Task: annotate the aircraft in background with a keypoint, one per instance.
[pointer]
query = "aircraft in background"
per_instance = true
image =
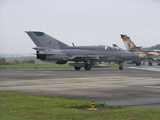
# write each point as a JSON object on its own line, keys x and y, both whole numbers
{"x": 51, "y": 50}
{"x": 149, "y": 55}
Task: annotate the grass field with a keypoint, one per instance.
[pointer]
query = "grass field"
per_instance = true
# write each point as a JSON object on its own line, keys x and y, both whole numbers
{"x": 41, "y": 65}
{"x": 26, "y": 107}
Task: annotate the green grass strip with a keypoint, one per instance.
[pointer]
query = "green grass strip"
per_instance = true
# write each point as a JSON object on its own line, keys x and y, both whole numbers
{"x": 27, "y": 107}
{"x": 41, "y": 66}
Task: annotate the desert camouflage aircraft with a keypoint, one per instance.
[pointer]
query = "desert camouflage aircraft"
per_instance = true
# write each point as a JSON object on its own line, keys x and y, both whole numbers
{"x": 51, "y": 50}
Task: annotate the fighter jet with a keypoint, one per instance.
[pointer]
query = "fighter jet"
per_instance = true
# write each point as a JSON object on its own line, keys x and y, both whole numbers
{"x": 52, "y": 50}
{"x": 148, "y": 55}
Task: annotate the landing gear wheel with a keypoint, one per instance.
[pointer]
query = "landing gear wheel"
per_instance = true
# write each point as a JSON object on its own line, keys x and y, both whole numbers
{"x": 87, "y": 66}
{"x": 138, "y": 63}
{"x": 150, "y": 63}
{"x": 77, "y": 68}
{"x": 158, "y": 64}
{"x": 120, "y": 67}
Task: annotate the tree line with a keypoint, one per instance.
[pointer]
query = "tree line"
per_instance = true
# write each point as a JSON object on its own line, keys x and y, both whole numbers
{"x": 3, "y": 61}
{"x": 156, "y": 47}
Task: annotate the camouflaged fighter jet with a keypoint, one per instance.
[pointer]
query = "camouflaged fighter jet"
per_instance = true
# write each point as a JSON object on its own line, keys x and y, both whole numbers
{"x": 51, "y": 50}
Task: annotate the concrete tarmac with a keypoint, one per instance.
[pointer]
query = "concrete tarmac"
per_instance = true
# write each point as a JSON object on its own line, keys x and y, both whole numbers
{"x": 130, "y": 87}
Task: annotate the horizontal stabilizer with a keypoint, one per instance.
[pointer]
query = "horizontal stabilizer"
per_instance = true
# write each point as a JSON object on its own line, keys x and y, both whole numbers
{"x": 45, "y": 54}
{"x": 42, "y": 48}
{"x": 153, "y": 53}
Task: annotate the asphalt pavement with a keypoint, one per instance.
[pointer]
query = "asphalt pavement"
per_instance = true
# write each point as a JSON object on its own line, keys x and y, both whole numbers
{"x": 131, "y": 87}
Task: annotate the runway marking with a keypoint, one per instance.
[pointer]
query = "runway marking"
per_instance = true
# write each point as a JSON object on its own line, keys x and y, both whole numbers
{"x": 157, "y": 69}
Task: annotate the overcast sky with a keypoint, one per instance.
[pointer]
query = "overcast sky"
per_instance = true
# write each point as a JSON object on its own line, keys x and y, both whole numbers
{"x": 84, "y": 22}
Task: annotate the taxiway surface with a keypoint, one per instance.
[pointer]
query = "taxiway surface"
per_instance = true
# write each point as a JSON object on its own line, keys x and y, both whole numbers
{"x": 131, "y": 87}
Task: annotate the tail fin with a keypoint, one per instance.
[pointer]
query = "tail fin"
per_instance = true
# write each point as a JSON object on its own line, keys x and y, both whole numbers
{"x": 130, "y": 46}
{"x": 43, "y": 40}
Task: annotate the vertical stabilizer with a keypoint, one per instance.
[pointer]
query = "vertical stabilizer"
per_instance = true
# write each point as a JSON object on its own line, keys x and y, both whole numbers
{"x": 130, "y": 46}
{"x": 43, "y": 40}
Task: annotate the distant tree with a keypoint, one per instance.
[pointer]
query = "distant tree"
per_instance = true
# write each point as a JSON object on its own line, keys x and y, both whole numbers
{"x": 156, "y": 47}
{"x": 2, "y": 61}
{"x": 24, "y": 61}
{"x": 31, "y": 61}
{"x": 16, "y": 61}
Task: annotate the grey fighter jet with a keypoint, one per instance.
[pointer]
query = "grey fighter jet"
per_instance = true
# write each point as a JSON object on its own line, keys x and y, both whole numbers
{"x": 51, "y": 50}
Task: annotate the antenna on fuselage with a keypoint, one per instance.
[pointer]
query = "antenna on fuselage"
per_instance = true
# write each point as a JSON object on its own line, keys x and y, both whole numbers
{"x": 73, "y": 44}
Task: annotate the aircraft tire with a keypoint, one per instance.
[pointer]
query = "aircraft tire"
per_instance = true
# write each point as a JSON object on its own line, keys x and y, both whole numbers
{"x": 77, "y": 68}
{"x": 150, "y": 63}
{"x": 138, "y": 63}
{"x": 87, "y": 67}
{"x": 120, "y": 67}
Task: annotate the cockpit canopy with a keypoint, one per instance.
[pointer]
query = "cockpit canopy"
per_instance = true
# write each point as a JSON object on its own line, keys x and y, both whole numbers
{"x": 110, "y": 48}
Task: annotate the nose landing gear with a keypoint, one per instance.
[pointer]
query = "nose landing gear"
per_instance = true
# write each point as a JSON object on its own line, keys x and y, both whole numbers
{"x": 121, "y": 66}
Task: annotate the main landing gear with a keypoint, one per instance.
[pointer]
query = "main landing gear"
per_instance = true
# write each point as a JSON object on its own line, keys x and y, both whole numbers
{"x": 138, "y": 63}
{"x": 150, "y": 63}
{"x": 77, "y": 68}
{"x": 86, "y": 67}
{"x": 150, "y": 60}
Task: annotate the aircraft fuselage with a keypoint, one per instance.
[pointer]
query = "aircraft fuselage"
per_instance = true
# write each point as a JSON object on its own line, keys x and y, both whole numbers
{"x": 78, "y": 55}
